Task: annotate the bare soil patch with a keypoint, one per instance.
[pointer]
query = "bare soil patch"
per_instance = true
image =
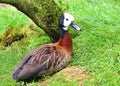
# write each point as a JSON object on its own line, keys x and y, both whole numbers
{"x": 73, "y": 73}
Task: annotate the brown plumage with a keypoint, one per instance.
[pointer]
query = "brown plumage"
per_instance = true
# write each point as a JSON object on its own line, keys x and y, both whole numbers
{"x": 48, "y": 58}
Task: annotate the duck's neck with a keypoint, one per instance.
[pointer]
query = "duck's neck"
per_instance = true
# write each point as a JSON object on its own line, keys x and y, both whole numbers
{"x": 65, "y": 40}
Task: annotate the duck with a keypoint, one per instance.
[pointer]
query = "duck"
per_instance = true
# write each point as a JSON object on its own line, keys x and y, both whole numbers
{"x": 48, "y": 58}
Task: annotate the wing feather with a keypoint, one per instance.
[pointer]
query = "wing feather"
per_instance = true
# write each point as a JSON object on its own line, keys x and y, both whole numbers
{"x": 40, "y": 61}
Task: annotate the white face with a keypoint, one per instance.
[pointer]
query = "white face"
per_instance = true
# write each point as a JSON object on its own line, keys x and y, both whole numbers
{"x": 68, "y": 19}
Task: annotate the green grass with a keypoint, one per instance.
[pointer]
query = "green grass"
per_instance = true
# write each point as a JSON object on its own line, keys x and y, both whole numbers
{"x": 96, "y": 47}
{"x": 11, "y": 18}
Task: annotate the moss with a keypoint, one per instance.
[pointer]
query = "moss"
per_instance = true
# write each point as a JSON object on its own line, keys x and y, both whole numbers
{"x": 16, "y": 34}
{"x": 45, "y": 13}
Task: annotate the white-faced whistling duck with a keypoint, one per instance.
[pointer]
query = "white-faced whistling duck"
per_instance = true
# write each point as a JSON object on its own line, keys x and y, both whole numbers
{"x": 48, "y": 58}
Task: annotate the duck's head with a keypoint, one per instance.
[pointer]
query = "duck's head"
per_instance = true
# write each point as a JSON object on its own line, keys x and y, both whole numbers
{"x": 66, "y": 20}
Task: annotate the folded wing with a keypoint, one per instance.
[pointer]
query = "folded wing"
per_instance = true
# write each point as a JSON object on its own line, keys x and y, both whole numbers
{"x": 42, "y": 60}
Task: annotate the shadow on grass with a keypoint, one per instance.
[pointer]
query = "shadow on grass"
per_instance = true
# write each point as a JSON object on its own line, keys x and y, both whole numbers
{"x": 33, "y": 80}
{"x": 25, "y": 82}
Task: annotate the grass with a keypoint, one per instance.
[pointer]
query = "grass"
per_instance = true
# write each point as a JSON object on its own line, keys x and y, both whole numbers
{"x": 96, "y": 47}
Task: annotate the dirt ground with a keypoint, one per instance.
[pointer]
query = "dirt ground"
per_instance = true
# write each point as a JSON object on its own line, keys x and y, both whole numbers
{"x": 72, "y": 73}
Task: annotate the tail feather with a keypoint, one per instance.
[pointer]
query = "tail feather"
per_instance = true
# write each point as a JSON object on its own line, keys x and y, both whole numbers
{"x": 20, "y": 68}
{"x": 28, "y": 72}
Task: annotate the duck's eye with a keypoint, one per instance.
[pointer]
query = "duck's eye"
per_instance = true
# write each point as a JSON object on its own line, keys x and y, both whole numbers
{"x": 67, "y": 19}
